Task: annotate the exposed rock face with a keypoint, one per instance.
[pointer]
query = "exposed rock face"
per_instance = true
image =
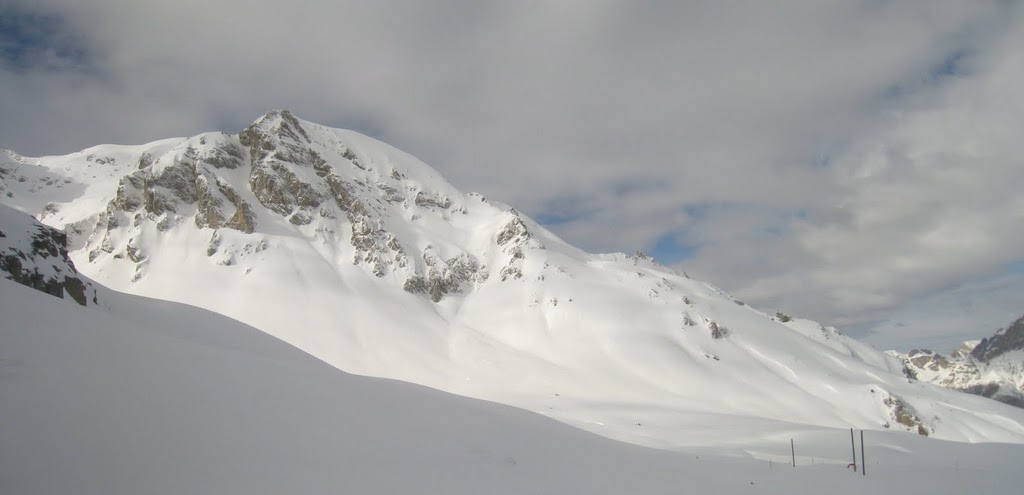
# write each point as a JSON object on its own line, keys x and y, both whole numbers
{"x": 188, "y": 179}
{"x": 514, "y": 238}
{"x": 423, "y": 199}
{"x": 1003, "y": 342}
{"x": 36, "y": 256}
{"x": 993, "y": 367}
{"x": 277, "y": 147}
{"x": 903, "y": 414}
{"x": 444, "y": 276}
{"x": 514, "y": 232}
{"x": 243, "y": 219}
{"x": 166, "y": 189}
{"x": 955, "y": 372}
{"x": 374, "y": 246}
{"x": 291, "y": 178}
{"x": 717, "y": 331}
{"x": 313, "y": 179}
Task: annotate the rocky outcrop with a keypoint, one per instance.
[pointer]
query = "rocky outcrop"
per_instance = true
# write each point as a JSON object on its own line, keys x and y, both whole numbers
{"x": 281, "y": 190}
{"x": 1004, "y": 341}
{"x": 277, "y": 146}
{"x": 903, "y": 414}
{"x": 375, "y": 247}
{"x": 319, "y": 182}
{"x": 993, "y": 367}
{"x": 514, "y": 232}
{"x": 36, "y": 256}
{"x": 186, "y": 181}
{"x": 717, "y": 331}
{"x": 514, "y": 238}
{"x": 224, "y": 155}
{"x": 947, "y": 371}
{"x": 432, "y": 201}
{"x": 444, "y": 277}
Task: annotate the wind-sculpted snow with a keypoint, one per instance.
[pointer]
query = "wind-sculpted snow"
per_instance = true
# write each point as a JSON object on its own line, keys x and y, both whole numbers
{"x": 368, "y": 259}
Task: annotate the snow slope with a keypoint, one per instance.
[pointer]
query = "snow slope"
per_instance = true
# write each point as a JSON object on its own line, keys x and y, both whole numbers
{"x": 366, "y": 258}
{"x": 147, "y": 396}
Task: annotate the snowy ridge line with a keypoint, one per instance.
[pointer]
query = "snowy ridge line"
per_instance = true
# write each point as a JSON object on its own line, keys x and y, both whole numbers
{"x": 366, "y": 258}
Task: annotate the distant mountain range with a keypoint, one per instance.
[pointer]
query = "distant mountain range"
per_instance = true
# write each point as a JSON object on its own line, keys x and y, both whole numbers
{"x": 366, "y": 258}
{"x": 992, "y": 367}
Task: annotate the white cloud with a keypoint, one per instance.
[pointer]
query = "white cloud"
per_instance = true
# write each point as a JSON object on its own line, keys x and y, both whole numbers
{"x": 926, "y": 202}
{"x": 941, "y": 321}
{"x": 837, "y": 166}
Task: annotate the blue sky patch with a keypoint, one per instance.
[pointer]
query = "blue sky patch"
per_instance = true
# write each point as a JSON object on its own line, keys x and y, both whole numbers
{"x": 551, "y": 218}
{"x": 952, "y": 65}
{"x": 668, "y": 250}
{"x": 698, "y": 212}
{"x": 562, "y": 210}
{"x": 33, "y": 41}
{"x": 1015, "y": 267}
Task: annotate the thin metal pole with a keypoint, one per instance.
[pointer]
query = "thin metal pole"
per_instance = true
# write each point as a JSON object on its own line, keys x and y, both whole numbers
{"x": 853, "y": 448}
{"x": 792, "y": 449}
{"x": 863, "y": 464}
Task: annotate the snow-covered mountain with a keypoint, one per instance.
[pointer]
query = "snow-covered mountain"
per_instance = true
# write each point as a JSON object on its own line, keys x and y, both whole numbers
{"x": 134, "y": 395}
{"x": 991, "y": 367}
{"x": 367, "y": 258}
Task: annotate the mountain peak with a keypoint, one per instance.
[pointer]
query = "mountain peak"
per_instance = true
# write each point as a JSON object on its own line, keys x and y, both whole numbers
{"x": 367, "y": 258}
{"x": 280, "y": 123}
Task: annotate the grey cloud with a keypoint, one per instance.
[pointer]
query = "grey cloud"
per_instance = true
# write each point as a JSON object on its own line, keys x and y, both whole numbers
{"x": 941, "y": 321}
{"x": 923, "y": 204}
{"x": 613, "y": 116}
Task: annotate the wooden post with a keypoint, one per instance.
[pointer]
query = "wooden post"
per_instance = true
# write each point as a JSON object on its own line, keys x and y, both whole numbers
{"x": 863, "y": 464}
{"x": 853, "y": 448}
{"x": 792, "y": 450}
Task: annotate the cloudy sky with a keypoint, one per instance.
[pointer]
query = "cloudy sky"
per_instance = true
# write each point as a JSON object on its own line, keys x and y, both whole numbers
{"x": 856, "y": 162}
